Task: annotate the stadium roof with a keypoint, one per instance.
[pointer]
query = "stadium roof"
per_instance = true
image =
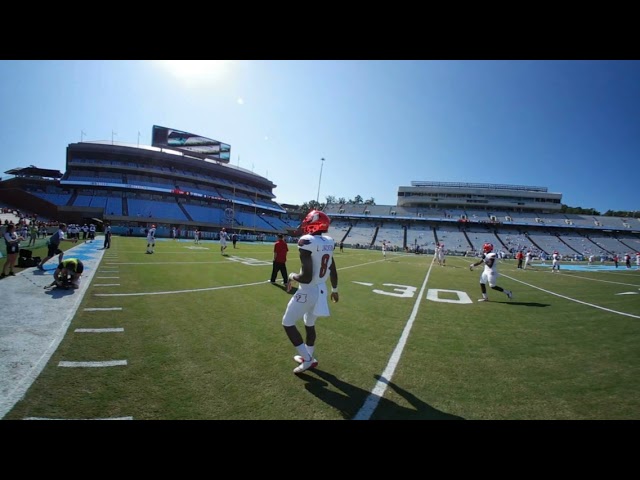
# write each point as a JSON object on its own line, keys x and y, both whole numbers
{"x": 33, "y": 171}
{"x": 478, "y": 185}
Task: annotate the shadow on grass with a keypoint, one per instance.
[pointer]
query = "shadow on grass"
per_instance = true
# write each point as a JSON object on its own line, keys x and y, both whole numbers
{"x": 59, "y": 292}
{"x": 351, "y": 398}
{"x": 526, "y": 304}
{"x": 284, "y": 287}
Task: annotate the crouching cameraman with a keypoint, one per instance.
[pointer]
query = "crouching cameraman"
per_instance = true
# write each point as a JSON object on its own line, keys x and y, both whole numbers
{"x": 68, "y": 274}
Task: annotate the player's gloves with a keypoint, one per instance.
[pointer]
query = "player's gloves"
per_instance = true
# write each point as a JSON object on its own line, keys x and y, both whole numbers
{"x": 471, "y": 267}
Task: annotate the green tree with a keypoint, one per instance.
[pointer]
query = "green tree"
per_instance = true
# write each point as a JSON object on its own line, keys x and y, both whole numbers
{"x": 371, "y": 201}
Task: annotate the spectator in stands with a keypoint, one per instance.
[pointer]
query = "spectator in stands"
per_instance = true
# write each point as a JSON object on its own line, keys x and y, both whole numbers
{"x": 280, "y": 250}
{"x": 53, "y": 245}
{"x": 12, "y": 242}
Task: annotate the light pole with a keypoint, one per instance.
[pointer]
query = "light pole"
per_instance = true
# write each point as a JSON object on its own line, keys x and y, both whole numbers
{"x": 112, "y": 134}
{"x": 320, "y": 180}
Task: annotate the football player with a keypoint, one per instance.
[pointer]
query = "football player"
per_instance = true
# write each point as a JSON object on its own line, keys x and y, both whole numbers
{"x": 151, "y": 239}
{"x": 490, "y": 273}
{"x": 223, "y": 240}
{"x": 310, "y": 300}
{"x": 555, "y": 262}
{"x": 440, "y": 254}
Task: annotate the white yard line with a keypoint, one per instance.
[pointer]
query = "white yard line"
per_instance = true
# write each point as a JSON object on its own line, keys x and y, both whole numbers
{"x": 377, "y": 393}
{"x": 45, "y": 418}
{"x": 108, "y": 363}
{"x": 98, "y": 330}
{"x": 106, "y": 309}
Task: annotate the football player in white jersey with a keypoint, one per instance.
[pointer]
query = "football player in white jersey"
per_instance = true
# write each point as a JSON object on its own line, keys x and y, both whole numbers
{"x": 151, "y": 239}
{"x": 196, "y": 236}
{"x": 384, "y": 249}
{"x": 440, "y": 255}
{"x": 638, "y": 259}
{"x": 555, "y": 262}
{"x": 223, "y": 240}
{"x": 310, "y": 300}
{"x": 490, "y": 273}
{"x": 527, "y": 259}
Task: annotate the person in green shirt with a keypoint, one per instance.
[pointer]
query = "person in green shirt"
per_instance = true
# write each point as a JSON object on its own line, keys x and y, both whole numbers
{"x": 68, "y": 274}
{"x": 33, "y": 234}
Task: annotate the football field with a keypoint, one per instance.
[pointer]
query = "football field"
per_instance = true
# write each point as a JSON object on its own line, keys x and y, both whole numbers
{"x": 189, "y": 333}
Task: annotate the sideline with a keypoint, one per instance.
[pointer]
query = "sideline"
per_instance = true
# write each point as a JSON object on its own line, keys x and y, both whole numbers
{"x": 34, "y": 321}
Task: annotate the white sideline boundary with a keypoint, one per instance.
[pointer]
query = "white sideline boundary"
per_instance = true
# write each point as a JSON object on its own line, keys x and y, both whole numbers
{"x": 572, "y": 299}
{"x": 34, "y": 323}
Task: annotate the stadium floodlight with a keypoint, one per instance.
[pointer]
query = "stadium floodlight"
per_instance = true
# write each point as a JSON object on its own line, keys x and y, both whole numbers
{"x": 320, "y": 180}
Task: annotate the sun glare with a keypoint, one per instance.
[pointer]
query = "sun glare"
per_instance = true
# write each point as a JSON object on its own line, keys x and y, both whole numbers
{"x": 196, "y": 71}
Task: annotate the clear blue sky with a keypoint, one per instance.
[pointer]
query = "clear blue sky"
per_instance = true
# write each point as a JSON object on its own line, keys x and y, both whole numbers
{"x": 572, "y": 126}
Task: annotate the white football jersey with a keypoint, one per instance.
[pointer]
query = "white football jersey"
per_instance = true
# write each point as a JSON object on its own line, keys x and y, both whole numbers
{"x": 490, "y": 262}
{"x": 152, "y": 233}
{"x": 555, "y": 257}
{"x": 223, "y": 235}
{"x": 321, "y": 248}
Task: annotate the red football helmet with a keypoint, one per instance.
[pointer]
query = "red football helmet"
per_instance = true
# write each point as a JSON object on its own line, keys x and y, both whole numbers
{"x": 487, "y": 247}
{"x": 314, "y": 222}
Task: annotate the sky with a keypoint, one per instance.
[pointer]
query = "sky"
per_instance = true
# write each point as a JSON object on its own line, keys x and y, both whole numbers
{"x": 571, "y": 126}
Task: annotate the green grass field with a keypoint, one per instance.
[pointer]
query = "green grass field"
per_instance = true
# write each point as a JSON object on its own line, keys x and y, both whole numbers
{"x": 221, "y": 353}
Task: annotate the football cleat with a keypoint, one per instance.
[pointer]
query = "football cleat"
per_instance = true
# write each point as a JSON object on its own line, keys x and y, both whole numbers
{"x": 299, "y": 359}
{"x": 483, "y": 300}
{"x": 303, "y": 366}
{"x": 509, "y": 294}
